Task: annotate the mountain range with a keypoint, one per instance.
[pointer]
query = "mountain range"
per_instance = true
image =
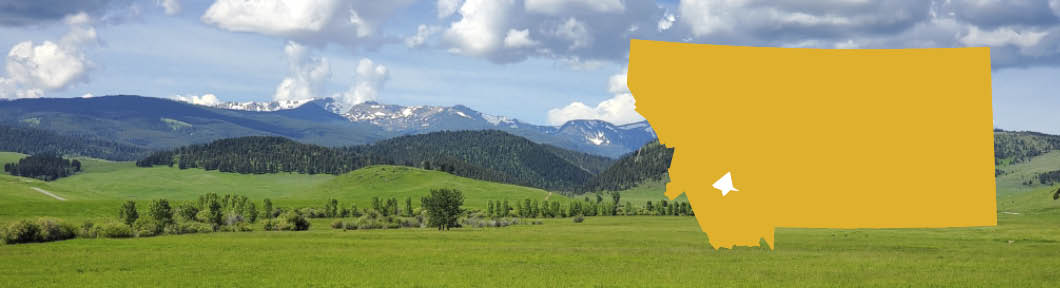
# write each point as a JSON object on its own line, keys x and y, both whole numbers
{"x": 156, "y": 123}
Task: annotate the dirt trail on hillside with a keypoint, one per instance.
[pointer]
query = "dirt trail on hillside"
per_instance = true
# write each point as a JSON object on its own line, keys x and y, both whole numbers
{"x": 45, "y": 192}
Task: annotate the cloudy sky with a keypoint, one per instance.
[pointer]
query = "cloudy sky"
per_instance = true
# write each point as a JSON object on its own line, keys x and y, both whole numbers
{"x": 542, "y": 61}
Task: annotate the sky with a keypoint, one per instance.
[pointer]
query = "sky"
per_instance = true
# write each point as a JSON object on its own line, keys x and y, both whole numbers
{"x": 541, "y": 61}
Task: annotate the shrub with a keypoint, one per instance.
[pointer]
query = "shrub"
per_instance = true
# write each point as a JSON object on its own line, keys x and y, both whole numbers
{"x": 232, "y": 218}
{"x": 240, "y": 227}
{"x": 115, "y": 230}
{"x": 366, "y": 222}
{"x": 88, "y": 230}
{"x": 189, "y": 227}
{"x": 337, "y": 224}
{"x": 289, "y": 221}
{"x": 297, "y": 222}
{"x": 579, "y": 219}
{"x": 23, "y": 231}
{"x": 349, "y": 225}
{"x": 147, "y": 227}
{"x": 54, "y": 230}
{"x": 203, "y": 216}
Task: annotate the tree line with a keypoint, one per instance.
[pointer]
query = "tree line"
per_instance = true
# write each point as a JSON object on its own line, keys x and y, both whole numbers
{"x": 45, "y": 167}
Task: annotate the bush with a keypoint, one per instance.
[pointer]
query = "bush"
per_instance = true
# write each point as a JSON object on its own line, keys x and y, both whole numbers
{"x": 579, "y": 219}
{"x": 115, "y": 230}
{"x": 88, "y": 230}
{"x": 337, "y": 224}
{"x": 349, "y": 225}
{"x": 289, "y": 221}
{"x": 189, "y": 228}
{"x": 240, "y": 227}
{"x": 147, "y": 227}
{"x": 54, "y": 230}
{"x": 23, "y": 231}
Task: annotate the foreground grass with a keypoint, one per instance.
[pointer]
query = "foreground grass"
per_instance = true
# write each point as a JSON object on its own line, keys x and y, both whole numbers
{"x": 603, "y": 251}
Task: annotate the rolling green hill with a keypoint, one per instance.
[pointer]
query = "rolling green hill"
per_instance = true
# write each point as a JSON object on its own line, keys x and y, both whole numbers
{"x": 489, "y": 155}
{"x": 98, "y": 191}
{"x": 400, "y": 182}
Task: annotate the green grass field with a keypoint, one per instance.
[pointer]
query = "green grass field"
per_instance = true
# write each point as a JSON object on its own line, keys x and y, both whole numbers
{"x": 629, "y": 251}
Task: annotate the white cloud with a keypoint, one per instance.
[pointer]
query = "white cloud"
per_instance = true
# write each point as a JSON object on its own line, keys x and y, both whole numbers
{"x": 205, "y": 100}
{"x": 447, "y": 8}
{"x": 556, "y": 7}
{"x": 349, "y": 23}
{"x": 617, "y": 84}
{"x": 369, "y": 81}
{"x": 423, "y": 32}
{"x": 561, "y": 30}
{"x": 33, "y": 69}
{"x": 519, "y": 39}
{"x": 271, "y": 17}
{"x": 171, "y": 7}
{"x": 479, "y": 28}
{"x": 576, "y": 32}
{"x": 666, "y": 22}
{"x": 1001, "y": 37}
{"x": 620, "y": 109}
{"x": 307, "y": 76}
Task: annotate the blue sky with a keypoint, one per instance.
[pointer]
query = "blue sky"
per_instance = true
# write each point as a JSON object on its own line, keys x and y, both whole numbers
{"x": 542, "y": 61}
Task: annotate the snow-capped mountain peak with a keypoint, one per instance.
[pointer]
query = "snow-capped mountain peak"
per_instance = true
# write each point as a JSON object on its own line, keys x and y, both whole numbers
{"x": 328, "y": 104}
{"x": 595, "y": 136}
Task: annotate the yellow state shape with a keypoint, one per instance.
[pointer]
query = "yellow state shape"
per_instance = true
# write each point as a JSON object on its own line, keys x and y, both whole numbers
{"x": 821, "y": 138}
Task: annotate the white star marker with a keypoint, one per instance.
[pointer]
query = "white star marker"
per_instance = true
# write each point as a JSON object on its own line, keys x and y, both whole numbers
{"x": 725, "y": 184}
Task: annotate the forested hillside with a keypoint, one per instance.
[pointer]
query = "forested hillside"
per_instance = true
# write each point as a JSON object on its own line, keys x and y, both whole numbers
{"x": 36, "y": 141}
{"x": 485, "y": 155}
{"x": 521, "y": 161}
{"x": 262, "y": 154}
{"x": 650, "y": 162}
{"x": 1015, "y": 147}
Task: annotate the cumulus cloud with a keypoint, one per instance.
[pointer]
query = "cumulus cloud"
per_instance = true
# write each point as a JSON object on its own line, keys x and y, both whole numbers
{"x": 447, "y": 8}
{"x": 171, "y": 7}
{"x": 33, "y": 69}
{"x": 571, "y": 31}
{"x": 423, "y": 32}
{"x": 350, "y": 23}
{"x": 666, "y": 22}
{"x": 369, "y": 80}
{"x": 307, "y": 74}
{"x": 205, "y": 100}
{"x": 619, "y": 109}
{"x": 518, "y": 39}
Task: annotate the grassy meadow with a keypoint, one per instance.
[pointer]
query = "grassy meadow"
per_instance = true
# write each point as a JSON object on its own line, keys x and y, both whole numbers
{"x": 625, "y": 251}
